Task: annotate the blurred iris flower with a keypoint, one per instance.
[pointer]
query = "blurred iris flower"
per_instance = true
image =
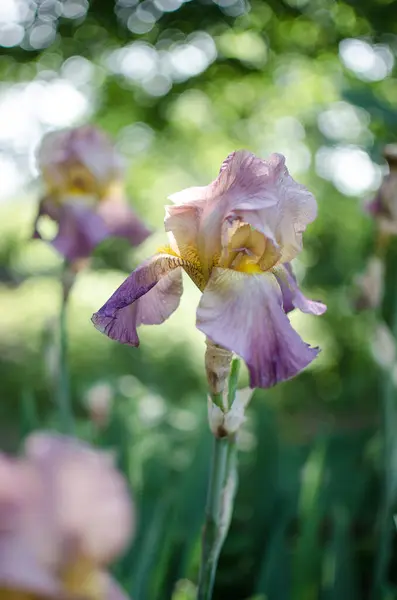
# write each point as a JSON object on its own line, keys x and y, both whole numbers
{"x": 84, "y": 192}
{"x": 65, "y": 514}
{"x": 384, "y": 206}
{"x": 235, "y": 239}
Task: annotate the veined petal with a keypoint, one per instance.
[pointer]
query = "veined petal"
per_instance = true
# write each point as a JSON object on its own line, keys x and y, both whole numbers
{"x": 284, "y": 220}
{"x": 258, "y": 192}
{"x": 292, "y": 295}
{"x": 148, "y": 296}
{"x": 190, "y": 196}
{"x": 244, "y": 314}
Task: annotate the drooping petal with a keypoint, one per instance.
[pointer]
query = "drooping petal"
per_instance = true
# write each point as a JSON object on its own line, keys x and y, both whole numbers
{"x": 48, "y": 207}
{"x": 292, "y": 295}
{"x": 244, "y": 314}
{"x": 121, "y": 221}
{"x": 80, "y": 230}
{"x": 148, "y": 296}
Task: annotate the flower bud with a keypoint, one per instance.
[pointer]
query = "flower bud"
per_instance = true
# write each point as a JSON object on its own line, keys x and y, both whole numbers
{"x": 227, "y": 423}
{"x": 217, "y": 366}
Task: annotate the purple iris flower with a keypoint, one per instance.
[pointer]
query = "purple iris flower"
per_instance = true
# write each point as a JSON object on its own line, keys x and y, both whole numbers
{"x": 84, "y": 192}
{"x": 235, "y": 239}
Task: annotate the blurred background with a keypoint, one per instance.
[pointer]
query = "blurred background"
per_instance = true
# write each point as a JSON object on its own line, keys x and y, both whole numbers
{"x": 179, "y": 85}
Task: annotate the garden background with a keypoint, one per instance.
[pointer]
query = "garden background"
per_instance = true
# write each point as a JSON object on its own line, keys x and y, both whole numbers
{"x": 179, "y": 85}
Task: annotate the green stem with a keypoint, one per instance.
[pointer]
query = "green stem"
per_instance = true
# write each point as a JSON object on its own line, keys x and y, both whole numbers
{"x": 63, "y": 392}
{"x": 386, "y": 525}
{"x": 218, "y": 513}
{"x": 233, "y": 380}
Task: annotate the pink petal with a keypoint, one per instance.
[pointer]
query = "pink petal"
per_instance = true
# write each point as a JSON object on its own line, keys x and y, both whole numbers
{"x": 182, "y": 224}
{"x": 80, "y": 228}
{"x": 87, "y": 147}
{"x": 80, "y": 231}
{"x": 285, "y": 219}
{"x": 26, "y": 536}
{"x": 121, "y": 221}
{"x": 114, "y": 591}
{"x": 90, "y": 502}
{"x": 148, "y": 296}
{"x": 244, "y": 314}
{"x": 21, "y": 571}
{"x": 259, "y": 192}
{"x": 292, "y": 295}
{"x": 190, "y": 196}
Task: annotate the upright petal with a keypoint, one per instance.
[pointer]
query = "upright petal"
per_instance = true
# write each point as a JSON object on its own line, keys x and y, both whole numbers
{"x": 244, "y": 314}
{"x": 81, "y": 158}
{"x": 148, "y": 296}
{"x": 182, "y": 223}
{"x": 292, "y": 295}
{"x": 258, "y": 192}
{"x": 290, "y": 207}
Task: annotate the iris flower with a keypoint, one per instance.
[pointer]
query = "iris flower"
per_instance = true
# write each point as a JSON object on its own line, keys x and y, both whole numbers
{"x": 235, "y": 239}
{"x": 64, "y": 515}
{"x": 84, "y": 193}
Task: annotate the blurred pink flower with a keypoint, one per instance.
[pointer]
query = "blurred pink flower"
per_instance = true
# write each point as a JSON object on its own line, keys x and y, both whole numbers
{"x": 235, "y": 239}
{"x": 84, "y": 193}
{"x": 383, "y": 208}
{"x": 65, "y": 514}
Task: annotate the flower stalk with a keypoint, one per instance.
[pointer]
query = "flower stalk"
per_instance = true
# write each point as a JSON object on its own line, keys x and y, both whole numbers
{"x": 389, "y": 421}
{"x": 222, "y": 484}
{"x": 383, "y": 209}
{"x": 63, "y": 391}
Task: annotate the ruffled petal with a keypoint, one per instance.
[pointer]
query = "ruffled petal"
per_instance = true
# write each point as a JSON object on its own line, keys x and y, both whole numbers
{"x": 121, "y": 221}
{"x": 148, "y": 296}
{"x": 284, "y": 220}
{"x": 258, "y": 192}
{"x": 292, "y": 295}
{"x": 244, "y": 314}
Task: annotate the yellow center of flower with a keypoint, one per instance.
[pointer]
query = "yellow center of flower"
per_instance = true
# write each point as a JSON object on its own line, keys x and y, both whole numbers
{"x": 6, "y": 594}
{"x": 75, "y": 179}
{"x": 244, "y": 249}
{"x": 82, "y": 578}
